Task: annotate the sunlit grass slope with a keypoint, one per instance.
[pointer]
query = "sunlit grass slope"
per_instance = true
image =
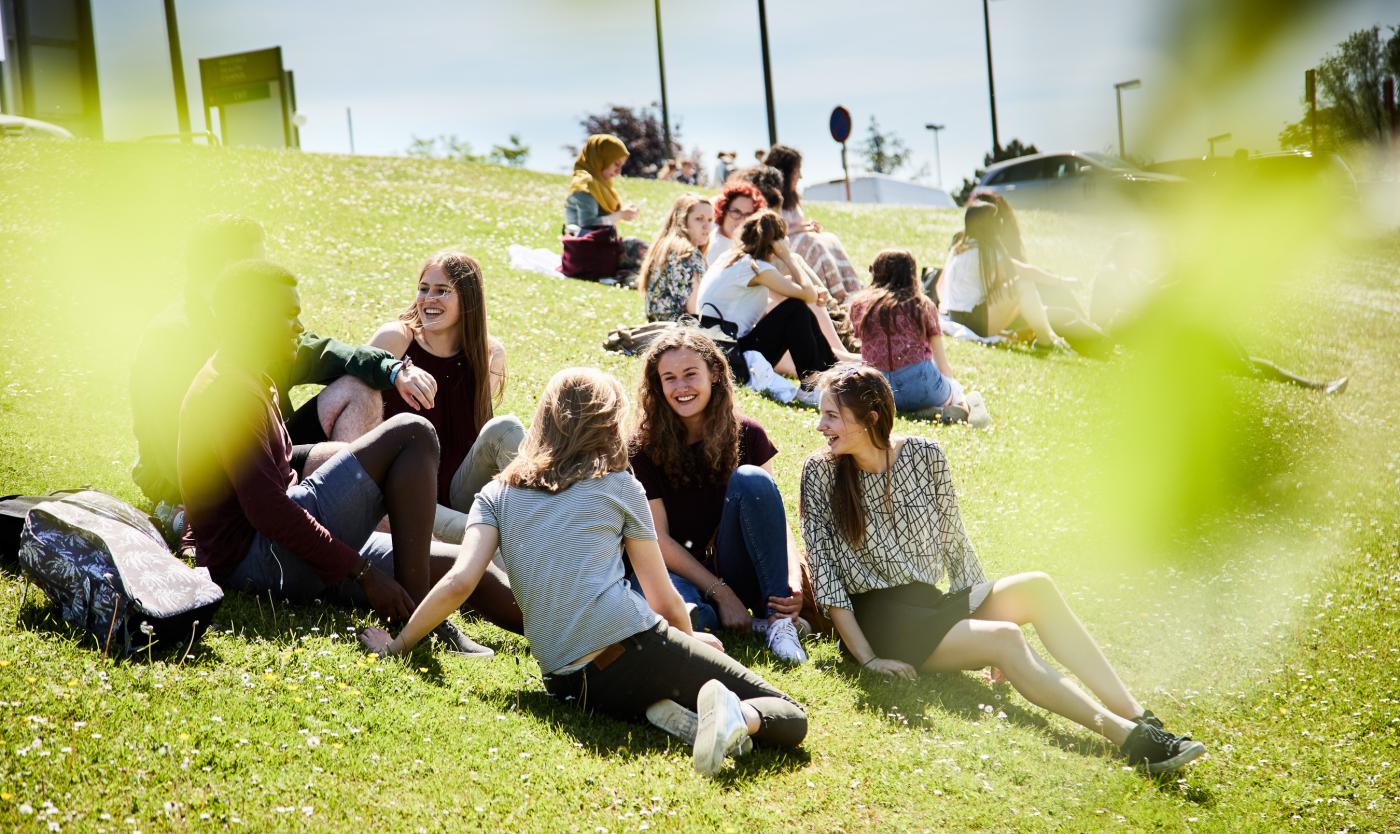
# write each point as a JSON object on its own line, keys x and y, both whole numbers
{"x": 1260, "y": 618}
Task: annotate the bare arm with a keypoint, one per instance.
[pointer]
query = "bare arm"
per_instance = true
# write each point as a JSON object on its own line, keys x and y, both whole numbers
{"x": 497, "y": 349}
{"x": 854, "y": 638}
{"x": 940, "y": 355}
{"x": 660, "y": 594}
{"x": 1040, "y": 276}
{"x": 478, "y": 546}
{"x": 393, "y": 337}
{"x": 784, "y": 286}
{"x": 732, "y": 612}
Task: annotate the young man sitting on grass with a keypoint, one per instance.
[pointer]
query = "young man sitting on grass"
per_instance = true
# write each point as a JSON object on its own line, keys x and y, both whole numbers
{"x": 179, "y": 341}
{"x": 257, "y": 528}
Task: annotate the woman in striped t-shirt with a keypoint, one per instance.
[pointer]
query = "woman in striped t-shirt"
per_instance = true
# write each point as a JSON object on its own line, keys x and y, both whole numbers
{"x": 561, "y": 514}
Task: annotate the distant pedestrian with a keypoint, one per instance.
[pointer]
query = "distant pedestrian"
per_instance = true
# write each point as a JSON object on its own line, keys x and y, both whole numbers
{"x": 724, "y": 167}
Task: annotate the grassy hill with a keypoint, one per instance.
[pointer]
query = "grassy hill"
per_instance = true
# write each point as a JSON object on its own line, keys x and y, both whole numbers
{"x": 1232, "y": 543}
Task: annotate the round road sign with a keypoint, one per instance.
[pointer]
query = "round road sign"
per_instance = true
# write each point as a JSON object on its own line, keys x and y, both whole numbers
{"x": 840, "y": 124}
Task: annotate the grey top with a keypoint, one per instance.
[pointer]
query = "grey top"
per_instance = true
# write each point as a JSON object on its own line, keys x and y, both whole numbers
{"x": 913, "y": 537}
{"x": 581, "y": 209}
{"x": 563, "y": 553}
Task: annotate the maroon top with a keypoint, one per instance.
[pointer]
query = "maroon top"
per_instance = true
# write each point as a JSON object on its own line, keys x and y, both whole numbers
{"x": 234, "y": 461}
{"x": 905, "y": 344}
{"x": 452, "y": 412}
{"x": 693, "y": 512}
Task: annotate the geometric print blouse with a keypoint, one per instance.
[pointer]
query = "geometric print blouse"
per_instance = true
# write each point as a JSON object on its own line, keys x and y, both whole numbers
{"x": 915, "y": 536}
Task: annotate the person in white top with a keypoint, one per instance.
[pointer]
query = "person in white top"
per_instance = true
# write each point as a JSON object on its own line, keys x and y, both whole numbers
{"x": 987, "y": 284}
{"x": 736, "y": 289}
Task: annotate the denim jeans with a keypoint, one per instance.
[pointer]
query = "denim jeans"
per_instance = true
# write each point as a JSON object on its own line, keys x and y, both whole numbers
{"x": 918, "y": 385}
{"x": 750, "y": 548}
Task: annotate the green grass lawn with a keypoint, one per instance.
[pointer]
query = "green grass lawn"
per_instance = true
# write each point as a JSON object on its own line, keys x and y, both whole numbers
{"x": 1232, "y": 544}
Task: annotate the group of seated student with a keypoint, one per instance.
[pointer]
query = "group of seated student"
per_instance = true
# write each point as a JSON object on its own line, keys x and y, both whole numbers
{"x": 621, "y": 549}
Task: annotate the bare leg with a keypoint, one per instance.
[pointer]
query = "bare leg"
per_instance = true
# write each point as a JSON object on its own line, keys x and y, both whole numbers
{"x": 973, "y": 644}
{"x": 320, "y": 453}
{"x": 1032, "y": 598}
{"x": 832, "y": 337}
{"x": 401, "y": 455}
{"x": 1267, "y": 370}
{"x": 348, "y": 408}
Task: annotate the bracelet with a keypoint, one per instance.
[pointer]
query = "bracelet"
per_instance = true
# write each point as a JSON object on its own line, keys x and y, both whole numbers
{"x": 365, "y": 565}
{"x": 394, "y": 372}
{"x": 866, "y": 664}
{"x": 710, "y": 591}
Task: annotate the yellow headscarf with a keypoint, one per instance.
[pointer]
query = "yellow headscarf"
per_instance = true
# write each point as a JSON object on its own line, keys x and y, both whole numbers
{"x": 600, "y": 151}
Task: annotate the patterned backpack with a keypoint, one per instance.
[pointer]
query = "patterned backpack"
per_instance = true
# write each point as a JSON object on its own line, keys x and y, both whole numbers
{"x": 106, "y": 567}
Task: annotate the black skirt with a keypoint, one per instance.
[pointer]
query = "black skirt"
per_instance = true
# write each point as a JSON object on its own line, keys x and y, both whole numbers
{"x": 907, "y": 622}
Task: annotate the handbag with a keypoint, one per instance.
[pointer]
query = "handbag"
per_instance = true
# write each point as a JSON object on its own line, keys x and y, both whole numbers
{"x": 733, "y": 351}
{"x": 592, "y": 254}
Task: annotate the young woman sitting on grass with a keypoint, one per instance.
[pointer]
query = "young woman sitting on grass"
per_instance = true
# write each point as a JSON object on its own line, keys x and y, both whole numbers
{"x": 675, "y": 263}
{"x": 708, "y": 475}
{"x": 736, "y": 289}
{"x": 593, "y": 202}
{"x": 987, "y": 285}
{"x": 823, "y": 250}
{"x": 900, "y": 336}
{"x": 443, "y": 331}
{"x": 882, "y": 526}
{"x": 561, "y": 514}
{"x": 737, "y": 202}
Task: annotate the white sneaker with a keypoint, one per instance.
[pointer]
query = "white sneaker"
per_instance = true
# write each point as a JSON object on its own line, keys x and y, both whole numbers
{"x": 810, "y": 397}
{"x": 682, "y": 723}
{"x": 804, "y": 628}
{"x": 783, "y": 641}
{"x": 720, "y": 729}
{"x": 978, "y": 416}
{"x": 765, "y": 380}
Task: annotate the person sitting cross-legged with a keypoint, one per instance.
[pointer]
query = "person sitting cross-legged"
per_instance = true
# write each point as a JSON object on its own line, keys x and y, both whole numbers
{"x": 256, "y": 527}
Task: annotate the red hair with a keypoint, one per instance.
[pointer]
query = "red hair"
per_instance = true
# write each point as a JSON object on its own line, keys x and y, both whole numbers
{"x": 737, "y": 188}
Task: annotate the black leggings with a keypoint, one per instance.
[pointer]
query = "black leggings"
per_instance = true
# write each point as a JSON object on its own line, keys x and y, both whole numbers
{"x": 662, "y": 662}
{"x": 791, "y": 328}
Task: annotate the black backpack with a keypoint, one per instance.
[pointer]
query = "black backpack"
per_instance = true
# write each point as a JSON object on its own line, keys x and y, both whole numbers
{"x": 106, "y": 567}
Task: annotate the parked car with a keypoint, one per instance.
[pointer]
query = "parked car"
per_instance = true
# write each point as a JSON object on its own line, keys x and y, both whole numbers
{"x": 1074, "y": 180}
{"x": 1268, "y": 169}
{"x": 16, "y": 127}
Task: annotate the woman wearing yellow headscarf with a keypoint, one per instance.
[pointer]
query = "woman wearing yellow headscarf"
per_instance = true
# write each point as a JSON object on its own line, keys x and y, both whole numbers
{"x": 593, "y": 202}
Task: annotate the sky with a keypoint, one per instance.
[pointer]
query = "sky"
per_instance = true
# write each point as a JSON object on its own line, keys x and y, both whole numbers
{"x": 483, "y": 70}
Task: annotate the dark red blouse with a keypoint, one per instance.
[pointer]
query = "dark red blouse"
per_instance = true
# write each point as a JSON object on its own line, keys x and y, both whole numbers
{"x": 451, "y": 413}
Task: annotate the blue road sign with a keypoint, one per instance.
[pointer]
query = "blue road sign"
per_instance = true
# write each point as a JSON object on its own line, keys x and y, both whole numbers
{"x": 840, "y": 124}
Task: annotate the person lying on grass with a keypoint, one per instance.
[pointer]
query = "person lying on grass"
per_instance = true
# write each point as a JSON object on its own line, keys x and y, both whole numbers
{"x": 260, "y": 529}
{"x": 708, "y": 475}
{"x": 561, "y": 514}
{"x": 181, "y": 339}
{"x": 443, "y": 330}
{"x": 882, "y": 525}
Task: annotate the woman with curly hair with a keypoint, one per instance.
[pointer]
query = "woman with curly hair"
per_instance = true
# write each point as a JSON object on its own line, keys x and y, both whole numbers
{"x": 708, "y": 475}
{"x": 823, "y": 250}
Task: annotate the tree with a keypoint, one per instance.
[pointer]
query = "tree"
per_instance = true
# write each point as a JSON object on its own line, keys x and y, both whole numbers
{"x": 444, "y": 146}
{"x": 641, "y": 131}
{"x": 1349, "y": 92}
{"x": 1011, "y": 150}
{"x": 514, "y": 155}
{"x": 884, "y": 153}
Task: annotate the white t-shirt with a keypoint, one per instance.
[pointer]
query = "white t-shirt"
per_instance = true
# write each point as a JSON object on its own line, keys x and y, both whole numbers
{"x": 727, "y": 288}
{"x": 965, "y": 290}
{"x": 719, "y": 244}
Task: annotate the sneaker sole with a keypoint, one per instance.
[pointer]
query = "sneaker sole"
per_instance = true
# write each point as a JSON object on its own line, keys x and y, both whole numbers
{"x": 712, "y": 744}
{"x": 1190, "y": 753}
{"x": 674, "y": 719}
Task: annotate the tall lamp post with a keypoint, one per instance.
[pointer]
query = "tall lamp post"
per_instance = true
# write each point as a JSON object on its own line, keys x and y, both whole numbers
{"x": 1118, "y": 94}
{"x": 937, "y": 157}
{"x": 661, "y": 63}
{"x": 767, "y": 72}
{"x": 1219, "y": 137}
{"x": 177, "y": 71}
{"x": 991, "y": 85}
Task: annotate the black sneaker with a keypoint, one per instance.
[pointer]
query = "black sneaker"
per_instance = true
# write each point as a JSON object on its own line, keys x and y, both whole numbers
{"x": 460, "y": 643}
{"x": 1151, "y": 720}
{"x": 1158, "y": 750}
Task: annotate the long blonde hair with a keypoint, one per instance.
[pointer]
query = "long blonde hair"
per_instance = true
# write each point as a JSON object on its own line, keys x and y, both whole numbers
{"x": 672, "y": 238}
{"x": 576, "y": 434}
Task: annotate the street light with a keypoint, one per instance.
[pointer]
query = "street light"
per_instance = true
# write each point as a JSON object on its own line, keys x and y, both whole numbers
{"x": 1219, "y": 137}
{"x": 937, "y": 158}
{"x": 991, "y": 86}
{"x": 767, "y": 72}
{"x": 1118, "y": 94}
{"x": 661, "y": 63}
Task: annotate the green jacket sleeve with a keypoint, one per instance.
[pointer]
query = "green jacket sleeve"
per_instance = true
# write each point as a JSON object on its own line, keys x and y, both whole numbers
{"x": 321, "y": 361}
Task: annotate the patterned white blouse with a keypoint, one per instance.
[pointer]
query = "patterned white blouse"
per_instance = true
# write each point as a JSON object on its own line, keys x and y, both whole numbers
{"x": 914, "y": 535}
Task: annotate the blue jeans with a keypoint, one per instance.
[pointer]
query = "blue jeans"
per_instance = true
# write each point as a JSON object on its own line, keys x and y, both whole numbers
{"x": 918, "y": 385}
{"x": 750, "y": 548}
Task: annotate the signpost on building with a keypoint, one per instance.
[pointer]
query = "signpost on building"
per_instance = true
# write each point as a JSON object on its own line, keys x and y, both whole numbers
{"x": 841, "y": 131}
{"x": 255, "y": 97}
{"x": 51, "y": 63}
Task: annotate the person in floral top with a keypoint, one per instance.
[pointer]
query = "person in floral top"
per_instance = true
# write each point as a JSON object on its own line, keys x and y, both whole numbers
{"x": 676, "y": 261}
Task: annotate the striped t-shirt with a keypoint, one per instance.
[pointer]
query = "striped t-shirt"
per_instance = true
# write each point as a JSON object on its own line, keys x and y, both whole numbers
{"x": 563, "y": 553}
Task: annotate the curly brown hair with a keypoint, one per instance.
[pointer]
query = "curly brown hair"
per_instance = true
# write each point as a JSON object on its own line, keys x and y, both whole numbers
{"x": 661, "y": 434}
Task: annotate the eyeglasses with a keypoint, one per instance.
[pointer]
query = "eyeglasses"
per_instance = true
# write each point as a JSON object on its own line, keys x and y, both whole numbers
{"x": 736, "y": 214}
